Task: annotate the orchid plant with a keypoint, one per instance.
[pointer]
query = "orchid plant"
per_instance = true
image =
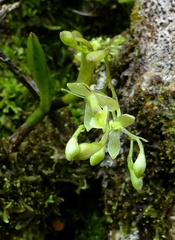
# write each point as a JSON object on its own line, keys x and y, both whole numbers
{"x": 101, "y": 112}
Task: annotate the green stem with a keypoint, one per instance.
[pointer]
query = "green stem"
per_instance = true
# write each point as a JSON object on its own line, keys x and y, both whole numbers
{"x": 129, "y": 158}
{"x": 140, "y": 146}
{"x": 105, "y": 136}
{"x": 78, "y": 131}
{"x": 85, "y": 76}
{"x": 108, "y": 81}
{"x": 132, "y": 136}
{"x": 35, "y": 117}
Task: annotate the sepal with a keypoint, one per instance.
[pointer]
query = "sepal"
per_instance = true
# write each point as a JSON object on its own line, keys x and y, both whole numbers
{"x": 72, "y": 149}
{"x": 137, "y": 183}
{"x": 114, "y": 144}
{"x": 96, "y": 56}
{"x": 97, "y": 157}
{"x": 68, "y": 39}
{"x": 139, "y": 165}
{"x": 88, "y": 149}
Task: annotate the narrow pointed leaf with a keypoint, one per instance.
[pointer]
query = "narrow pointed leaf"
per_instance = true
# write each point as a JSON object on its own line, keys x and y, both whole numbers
{"x": 38, "y": 67}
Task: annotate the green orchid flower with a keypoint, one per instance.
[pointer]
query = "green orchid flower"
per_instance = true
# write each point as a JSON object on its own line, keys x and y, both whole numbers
{"x": 97, "y": 107}
{"x": 116, "y": 126}
{"x": 101, "y": 112}
{"x": 82, "y": 90}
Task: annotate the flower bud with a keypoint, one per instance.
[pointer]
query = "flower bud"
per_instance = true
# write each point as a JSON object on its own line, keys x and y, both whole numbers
{"x": 68, "y": 39}
{"x": 139, "y": 165}
{"x": 72, "y": 149}
{"x": 137, "y": 183}
{"x": 77, "y": 34}
{"x": 88, "y": 149}
{"x": 97, "y": 157}
{"x": 96, "y": 56}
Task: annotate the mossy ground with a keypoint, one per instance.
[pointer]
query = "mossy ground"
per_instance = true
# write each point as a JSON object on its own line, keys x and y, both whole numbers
{"x": 40, "y": 188}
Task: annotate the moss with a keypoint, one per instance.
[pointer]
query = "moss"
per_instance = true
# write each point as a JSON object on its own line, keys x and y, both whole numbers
{"x": 38, "y": 186}
{"x": 12, "y": 106}
{"x": 154, "y": 107}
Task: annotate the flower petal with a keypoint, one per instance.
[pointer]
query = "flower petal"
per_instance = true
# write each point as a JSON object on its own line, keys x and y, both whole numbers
{"x": 100, "y": 119}
{"x": 139, "y": 165}
{"x": 88, "y": 149}
{"x": 126, "y": 120}
{"x": 107, "y": 101}
{"x": 114, "y": 144}
{"x": 96, "y": 56}
{"x": 97, "y": 157}
{"x": 79, "y": 89}
{"x": 137, "y": 183}
{"x": 88, "y": 115}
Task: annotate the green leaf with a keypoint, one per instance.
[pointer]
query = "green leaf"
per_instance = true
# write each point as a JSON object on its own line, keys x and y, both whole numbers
{"x": 38, "y": 67}
{"x": 52, "y": 27}
{"x": 114, "y": 144}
